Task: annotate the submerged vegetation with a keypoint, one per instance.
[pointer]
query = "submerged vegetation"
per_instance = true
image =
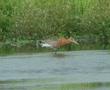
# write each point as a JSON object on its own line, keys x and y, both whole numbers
{"x": 24, "y": 21}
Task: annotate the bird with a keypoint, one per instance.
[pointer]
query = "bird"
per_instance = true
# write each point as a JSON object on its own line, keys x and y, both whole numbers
{"x": 55, "y": 44}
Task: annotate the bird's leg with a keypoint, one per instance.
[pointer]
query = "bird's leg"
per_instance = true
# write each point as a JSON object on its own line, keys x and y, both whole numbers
{"x": 55, "y": 50}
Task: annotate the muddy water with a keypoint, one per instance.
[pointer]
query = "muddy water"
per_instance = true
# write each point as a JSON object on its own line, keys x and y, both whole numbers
{"x": 77, "y": 70}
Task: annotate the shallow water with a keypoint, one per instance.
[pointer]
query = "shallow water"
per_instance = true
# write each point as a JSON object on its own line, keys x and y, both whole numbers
{"x": 78, "y": 70}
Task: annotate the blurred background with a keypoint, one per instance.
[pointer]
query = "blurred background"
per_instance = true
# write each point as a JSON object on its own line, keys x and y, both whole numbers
{"x": 24, "y": 22}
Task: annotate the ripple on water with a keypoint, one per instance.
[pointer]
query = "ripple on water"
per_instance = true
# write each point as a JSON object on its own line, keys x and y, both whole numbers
{"x": 87, "y": 69}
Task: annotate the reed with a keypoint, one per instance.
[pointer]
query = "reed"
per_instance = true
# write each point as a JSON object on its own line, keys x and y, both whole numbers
{"x": 40, "y": 19}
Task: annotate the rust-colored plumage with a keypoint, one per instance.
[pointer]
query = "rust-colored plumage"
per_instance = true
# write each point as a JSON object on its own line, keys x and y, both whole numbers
{"x": 63, "y": 41}
{"x": 58, "y": 43}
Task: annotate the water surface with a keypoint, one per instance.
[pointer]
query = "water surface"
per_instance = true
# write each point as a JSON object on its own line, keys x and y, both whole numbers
{"x": 76, "y": 70}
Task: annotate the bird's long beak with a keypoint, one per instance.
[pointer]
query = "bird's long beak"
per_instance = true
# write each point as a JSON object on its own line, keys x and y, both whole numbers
{"x": 75, "y": 42}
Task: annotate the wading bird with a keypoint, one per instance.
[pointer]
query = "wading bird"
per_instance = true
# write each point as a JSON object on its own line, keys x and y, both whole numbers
{"x": 55, "y": 44}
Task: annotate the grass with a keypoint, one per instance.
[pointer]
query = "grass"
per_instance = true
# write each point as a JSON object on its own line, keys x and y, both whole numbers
{"x": 31, "y": 20}
{"x": 68, "y": 86}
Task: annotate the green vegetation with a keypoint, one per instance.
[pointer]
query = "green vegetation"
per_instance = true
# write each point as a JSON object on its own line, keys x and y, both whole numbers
{"x": 24, "y": 21}
{"x": 66, "y": 86}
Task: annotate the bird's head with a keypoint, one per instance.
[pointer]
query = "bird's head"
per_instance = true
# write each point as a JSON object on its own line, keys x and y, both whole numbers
{"x": 72, "y": 40}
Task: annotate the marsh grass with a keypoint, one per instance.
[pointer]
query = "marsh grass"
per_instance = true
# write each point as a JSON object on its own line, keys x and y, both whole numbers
{"x": 22, "y": 20}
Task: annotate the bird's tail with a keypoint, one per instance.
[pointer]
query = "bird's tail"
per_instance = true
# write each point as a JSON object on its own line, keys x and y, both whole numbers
{"x": 45, "y": 44}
